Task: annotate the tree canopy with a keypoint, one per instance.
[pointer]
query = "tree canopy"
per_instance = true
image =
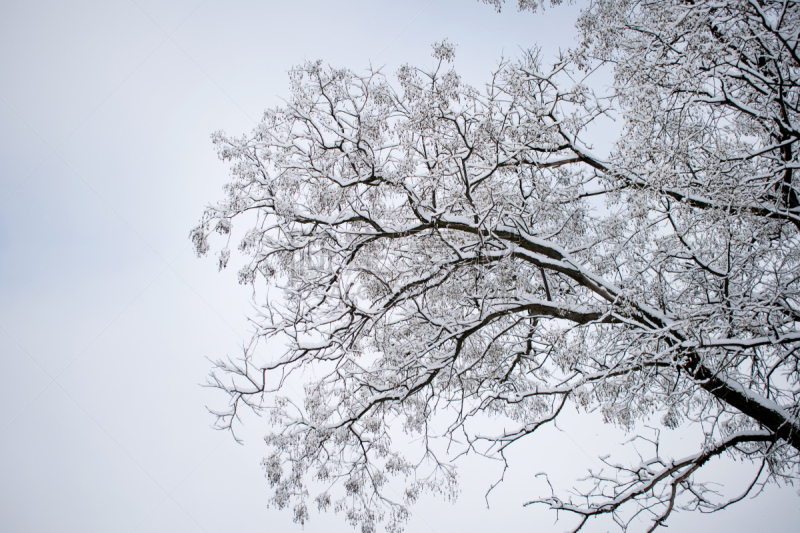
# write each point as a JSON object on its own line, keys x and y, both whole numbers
{"x": 444, "y": 256}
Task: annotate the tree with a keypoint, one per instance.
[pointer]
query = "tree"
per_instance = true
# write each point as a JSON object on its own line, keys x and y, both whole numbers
{"x": 447, "y": 257}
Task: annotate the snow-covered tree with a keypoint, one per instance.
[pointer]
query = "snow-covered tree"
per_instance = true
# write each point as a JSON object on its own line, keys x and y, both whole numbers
{"x": 447, "y": 257}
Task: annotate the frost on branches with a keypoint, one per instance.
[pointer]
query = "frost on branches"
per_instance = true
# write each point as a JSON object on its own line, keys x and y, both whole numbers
{"x": 447, "y": 257}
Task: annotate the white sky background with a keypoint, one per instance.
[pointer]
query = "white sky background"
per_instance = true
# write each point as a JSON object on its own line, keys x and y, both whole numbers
{"x": 106, "y": 316}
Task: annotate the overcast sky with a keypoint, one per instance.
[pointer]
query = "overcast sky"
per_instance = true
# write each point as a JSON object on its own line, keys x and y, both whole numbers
{"x": 106, "y": 316}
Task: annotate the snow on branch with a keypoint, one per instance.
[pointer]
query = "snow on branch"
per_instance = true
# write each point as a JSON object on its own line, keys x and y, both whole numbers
{"x": 456, "y": 264}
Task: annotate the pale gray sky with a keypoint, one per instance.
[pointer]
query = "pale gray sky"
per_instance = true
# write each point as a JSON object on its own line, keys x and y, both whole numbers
{"x": 106, "y": 316}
